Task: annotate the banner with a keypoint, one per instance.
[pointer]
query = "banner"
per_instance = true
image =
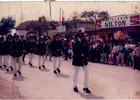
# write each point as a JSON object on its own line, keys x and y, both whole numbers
{"x": 119, "y": 21}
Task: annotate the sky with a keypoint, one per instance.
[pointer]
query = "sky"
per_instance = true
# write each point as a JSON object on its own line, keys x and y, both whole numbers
{"x": 20, "y": 10}
{"x": 71, "y": 0}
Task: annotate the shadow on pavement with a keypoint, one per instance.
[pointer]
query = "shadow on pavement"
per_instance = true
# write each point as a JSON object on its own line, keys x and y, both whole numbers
{"x": 19, "y": 78}
{"x": 25, "y": 64}
{"x": 9, "y": 72}
{"x": 63, "y": 75}
{"x": 2, "y": 68}
{"x": 90, "y": 96}
{"x": 33, "y": 66}
{"x": 45, "y": 70}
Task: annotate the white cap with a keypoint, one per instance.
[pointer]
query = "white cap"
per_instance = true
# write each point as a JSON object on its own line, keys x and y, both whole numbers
{"x": 81, "y": 30}
{"x": 41, "y": 37}
{"x": 65, "y": 39}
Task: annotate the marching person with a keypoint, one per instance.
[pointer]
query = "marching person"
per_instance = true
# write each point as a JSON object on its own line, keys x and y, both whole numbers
{"x": 80, "y": 53}
{"x": 31, "y": 46}
{"x": 24, "y": 47}
{"x": 56, "y": 49}
{"x": 1, "y": 51}
{"x": 9, "y": 60}
{"x": 65, "y": 49}
{"x": 48, "y": 42}
{"x": 17, "y": 50}
{"x": 4, "y": 52}
{"x": 41, "y": 48}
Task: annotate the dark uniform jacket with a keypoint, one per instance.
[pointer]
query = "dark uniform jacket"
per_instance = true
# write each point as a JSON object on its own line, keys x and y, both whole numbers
{"x": 24, "y": 45}
{"x": 2, "y": 47}
{"x": 56, "y": 48}
{"x": 8, "y": 47}
{"x": 17, "y": 48}
{"x": 41, "y": 48}
{"x": 31, "y": 47}
{"x": 80, "y": 52}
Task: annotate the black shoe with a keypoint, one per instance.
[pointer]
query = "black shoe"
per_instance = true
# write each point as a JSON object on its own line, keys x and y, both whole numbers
{"x": 30, "y": 64}
{"x": 15, "y": 74}
{"x": 65, "y": 59}
{"x": 86, "y": 90}
{"x": 11, "y": 68}
{"x": 19, "y": 72}
{"x": 4, "y": 66}
{"x": 0, "y": 66}
{"x": 43, "y": 66}
{"x": 75, "y": 89}
{"x": 39, "y": 67}
{"x": 58, "y": 70}
{"x": 55, "y": 72}
{"x": 7, "y": 70}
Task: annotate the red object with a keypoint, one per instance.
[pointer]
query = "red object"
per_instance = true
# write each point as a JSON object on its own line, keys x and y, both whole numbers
{"x": 69, "y": 46}
{"x": 63, "y": 19}
{"x": 134, "y": 20}
{"x": 111, "y": 57}
{"x": 98, "y": 23}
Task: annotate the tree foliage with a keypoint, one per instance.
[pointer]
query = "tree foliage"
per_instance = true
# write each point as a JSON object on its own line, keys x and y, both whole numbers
{"x": 6, "y": 25}
{"x": 73, "y": 21}
{"x": 93, "y": 15}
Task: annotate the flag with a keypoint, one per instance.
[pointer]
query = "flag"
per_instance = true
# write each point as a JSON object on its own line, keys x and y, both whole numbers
{"x": 63, "y": 19}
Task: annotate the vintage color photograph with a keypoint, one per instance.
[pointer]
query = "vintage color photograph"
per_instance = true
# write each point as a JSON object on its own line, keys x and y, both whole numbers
{"x": 69, "y": 49}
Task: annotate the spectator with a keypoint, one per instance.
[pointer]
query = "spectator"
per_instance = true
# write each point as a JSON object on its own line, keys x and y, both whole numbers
{"x": 106, "y": 51}
{"x": 121, "y": 50}
{"x": 115, "y": 53}
{"x": 136, "y": 54}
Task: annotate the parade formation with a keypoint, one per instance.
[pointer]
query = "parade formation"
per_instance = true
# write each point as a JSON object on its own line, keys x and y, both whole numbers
{"x": 14, "y": 49}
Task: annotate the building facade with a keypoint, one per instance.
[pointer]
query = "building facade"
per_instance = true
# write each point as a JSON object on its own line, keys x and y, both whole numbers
{"x": 127, "y": 24}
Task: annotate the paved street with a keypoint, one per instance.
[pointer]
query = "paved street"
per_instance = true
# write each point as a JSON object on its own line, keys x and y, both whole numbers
{"x": 105, "y": 81}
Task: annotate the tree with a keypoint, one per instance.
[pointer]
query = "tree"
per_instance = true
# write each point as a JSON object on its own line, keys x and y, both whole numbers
{"x": 6, "y": 25}
{"x": 72, "y": 21}
{"x": 94, "y": 15}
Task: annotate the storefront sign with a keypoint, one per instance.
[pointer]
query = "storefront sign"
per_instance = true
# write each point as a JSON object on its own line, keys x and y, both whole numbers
{"x": 61, "y": 28}
{"x": 119, "y": 21}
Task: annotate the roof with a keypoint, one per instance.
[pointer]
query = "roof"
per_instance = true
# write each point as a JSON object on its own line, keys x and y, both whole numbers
{"x": 23, "y": 25}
